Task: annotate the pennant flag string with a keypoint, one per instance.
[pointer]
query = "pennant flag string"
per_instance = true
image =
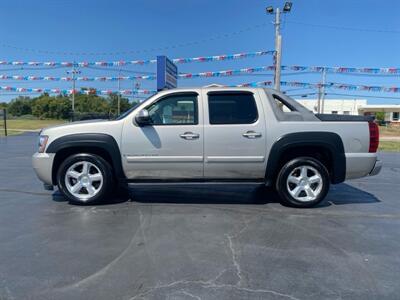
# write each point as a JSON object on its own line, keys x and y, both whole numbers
{"x": 389, "y": 70}
{"x": 69, "y": 91}
{"x": 222, "y": 57}
{"x": 79, "y": 78}
{"x": 223, "y": 73}
{"x": 342, "y": 86}
{"x": 140, "y": 77}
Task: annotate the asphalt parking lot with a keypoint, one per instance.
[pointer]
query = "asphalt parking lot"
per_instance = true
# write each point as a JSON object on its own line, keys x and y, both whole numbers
{"x": 196, "y": 242}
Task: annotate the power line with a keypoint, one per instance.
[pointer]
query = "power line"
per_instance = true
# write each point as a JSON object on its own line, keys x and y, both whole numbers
{"x": 366, "y": 74}
{"x": 34, "y": 68}
{"x": 345, "y": 27}
{"x": 120, "y": 70}
{"x": 345, "y": 95}
{"x": 174, "y": 46}
{"x": 298, "y": 89}
{"x": 303, "y": 94}
{"x": 365, "y": 96}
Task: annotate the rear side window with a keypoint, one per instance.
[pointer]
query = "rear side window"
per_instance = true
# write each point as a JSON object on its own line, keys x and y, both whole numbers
{"x": 283, "y": 105}
{"x": 232, "y": 108}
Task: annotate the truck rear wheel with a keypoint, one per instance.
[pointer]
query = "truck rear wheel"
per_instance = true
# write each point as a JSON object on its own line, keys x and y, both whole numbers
{"x": 302, "y": 182}
{"x": 85, "y": 178}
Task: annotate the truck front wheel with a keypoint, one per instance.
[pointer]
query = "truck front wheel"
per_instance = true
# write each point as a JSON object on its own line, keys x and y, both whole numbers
{"x": 85, "y": 178}
{"x": 302, "y": 182}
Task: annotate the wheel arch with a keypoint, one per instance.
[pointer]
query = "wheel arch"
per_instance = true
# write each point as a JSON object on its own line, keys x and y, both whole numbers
{"x": 324, "y": 146}
{"x": 100, "y": 144}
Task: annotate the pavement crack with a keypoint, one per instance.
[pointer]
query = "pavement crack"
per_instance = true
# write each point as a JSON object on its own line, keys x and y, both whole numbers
{"x": 190, "y": 295}
{"x": 24, "y": 192}
{"x": 208, "y": 285}
{"x": 234, "y": 260}
{"x": 106, "y": 268}
{"x": 183, "y": 285}
{"x": 234, "y": 255}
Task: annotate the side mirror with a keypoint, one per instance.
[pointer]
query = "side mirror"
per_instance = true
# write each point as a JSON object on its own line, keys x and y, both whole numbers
{"x": 143, "y": 118}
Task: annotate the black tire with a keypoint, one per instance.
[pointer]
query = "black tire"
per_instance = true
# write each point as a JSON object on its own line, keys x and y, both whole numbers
{"x": 102, "y": 165}
{"x": 284, "y": 186}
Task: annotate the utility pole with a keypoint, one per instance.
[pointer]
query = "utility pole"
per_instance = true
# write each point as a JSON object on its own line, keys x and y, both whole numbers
{"x": 74, "y": 71}
{"x": 319, "y": 100}
{"x": 278, "y": 41}
{"x": 119, "y": 94}
{"x": 136, "y": 86}
{"x": 323, "y": 91}
{"x": 73, "y": 90}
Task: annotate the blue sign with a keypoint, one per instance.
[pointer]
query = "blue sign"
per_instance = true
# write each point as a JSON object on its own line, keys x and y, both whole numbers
{"x": 167, "y": 73}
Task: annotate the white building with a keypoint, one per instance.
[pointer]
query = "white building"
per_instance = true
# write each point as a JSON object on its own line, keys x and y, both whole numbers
{"x": 355, "y": 107}
{"x": 391, "y": 111}
{"x": 335, "y": 106}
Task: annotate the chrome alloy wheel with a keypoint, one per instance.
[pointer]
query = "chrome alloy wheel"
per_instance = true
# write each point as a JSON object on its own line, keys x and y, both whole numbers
{"x": 83, "y": 180}
{"x": 304, "y": 183}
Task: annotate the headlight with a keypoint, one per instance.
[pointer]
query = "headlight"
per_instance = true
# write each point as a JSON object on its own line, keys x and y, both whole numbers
{"x": 42, "y": 143}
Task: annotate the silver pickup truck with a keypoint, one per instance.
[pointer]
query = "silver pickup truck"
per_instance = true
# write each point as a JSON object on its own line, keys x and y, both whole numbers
{"x": 219, "y": 135}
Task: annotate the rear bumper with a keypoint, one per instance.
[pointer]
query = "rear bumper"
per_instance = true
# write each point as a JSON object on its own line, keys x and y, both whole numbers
{"x": 43, "y": 164}
{"x": 376, "y": 169}
{"x": 362, "y": 164}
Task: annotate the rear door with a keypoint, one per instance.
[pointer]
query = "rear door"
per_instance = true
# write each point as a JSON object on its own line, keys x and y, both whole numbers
{"x": 234, "y": 135}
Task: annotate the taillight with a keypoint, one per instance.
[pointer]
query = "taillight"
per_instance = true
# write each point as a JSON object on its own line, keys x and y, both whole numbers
{"x": 373, "y": 136}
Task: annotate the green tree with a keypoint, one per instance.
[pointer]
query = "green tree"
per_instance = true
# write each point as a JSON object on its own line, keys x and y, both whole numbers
{"x": 20, "y": 106}
{"x": 91, "y": 104}
{"x": 51, "y": 107}
{"x": 380, "y": 116}
{"x": 113, "y": 104}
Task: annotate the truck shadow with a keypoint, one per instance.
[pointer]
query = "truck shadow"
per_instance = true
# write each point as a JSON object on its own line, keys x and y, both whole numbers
{"x": 227, "y": 194}
{"x": 241, "y": 194}
{"x": 344, "y": 193}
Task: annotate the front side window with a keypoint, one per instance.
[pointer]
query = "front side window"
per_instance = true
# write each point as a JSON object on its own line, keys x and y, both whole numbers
{"x": 232, "y": 108}
{"x": 175, "y": 110}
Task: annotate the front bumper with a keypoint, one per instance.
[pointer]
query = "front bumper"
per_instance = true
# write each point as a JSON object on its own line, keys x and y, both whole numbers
{"x": 376, "y": 169}
{"x": 43, "y": 165}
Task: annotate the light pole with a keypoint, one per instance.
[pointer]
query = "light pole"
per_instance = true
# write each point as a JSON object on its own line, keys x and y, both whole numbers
{"x": 278, "y": 41}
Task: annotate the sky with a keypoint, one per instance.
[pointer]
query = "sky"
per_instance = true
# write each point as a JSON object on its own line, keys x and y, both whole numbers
{"x": 350, "y": 33}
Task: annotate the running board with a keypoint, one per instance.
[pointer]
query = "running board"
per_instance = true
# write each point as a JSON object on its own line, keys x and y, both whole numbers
{"x": 178, "y": 183}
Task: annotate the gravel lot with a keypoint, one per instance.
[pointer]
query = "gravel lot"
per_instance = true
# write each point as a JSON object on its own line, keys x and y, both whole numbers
{"x": 197, "y": 242}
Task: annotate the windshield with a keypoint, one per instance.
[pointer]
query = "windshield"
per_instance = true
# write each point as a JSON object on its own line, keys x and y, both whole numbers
{"x": 124, "y": 114}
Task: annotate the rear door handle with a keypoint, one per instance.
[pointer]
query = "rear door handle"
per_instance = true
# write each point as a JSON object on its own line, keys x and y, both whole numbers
{"x": 189, "y": 136}
{"x": 252, "y": 134}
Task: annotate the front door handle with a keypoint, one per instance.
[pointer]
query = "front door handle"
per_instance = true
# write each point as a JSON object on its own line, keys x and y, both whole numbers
{"x": 189, "y": 135}
{"x": 252, "y": 134}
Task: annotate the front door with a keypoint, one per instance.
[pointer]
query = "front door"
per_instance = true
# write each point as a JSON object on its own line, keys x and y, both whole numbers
{"x": 172, "y": 146}
{"x": 235, "y": 141}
